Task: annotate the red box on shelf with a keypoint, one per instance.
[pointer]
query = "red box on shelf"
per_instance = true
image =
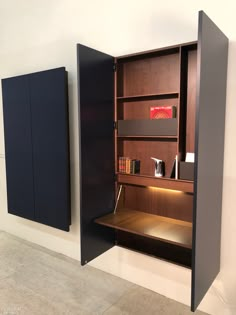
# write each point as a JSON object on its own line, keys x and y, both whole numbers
{"x": 162, "y": 112}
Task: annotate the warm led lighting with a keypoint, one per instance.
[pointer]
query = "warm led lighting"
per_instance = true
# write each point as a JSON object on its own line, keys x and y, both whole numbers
{"x": 165, "y": 189}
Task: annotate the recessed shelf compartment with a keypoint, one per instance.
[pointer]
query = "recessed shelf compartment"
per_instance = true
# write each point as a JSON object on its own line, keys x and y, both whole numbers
{"x": 181, "y": 256}
{"x": 151, "y": 181}
{"x": 147, "y": 127}
{"x": 152, "y": 226}
{"x": 157, "y": 96}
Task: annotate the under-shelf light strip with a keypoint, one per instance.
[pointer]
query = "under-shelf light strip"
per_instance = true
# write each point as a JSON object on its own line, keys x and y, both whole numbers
{"x": 164, "y": 189}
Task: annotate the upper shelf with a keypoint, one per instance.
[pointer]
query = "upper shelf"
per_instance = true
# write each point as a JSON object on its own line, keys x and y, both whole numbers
{"x": 174, "y": 138}
{"x": 160, "y": 182}
{"x": 153, "y": 226}
{"x": 148, "y": 96}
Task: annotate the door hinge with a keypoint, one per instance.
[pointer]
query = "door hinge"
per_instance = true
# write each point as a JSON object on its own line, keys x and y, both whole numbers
{"x": 115, "y": 125}
{"x": 114, "y": 67}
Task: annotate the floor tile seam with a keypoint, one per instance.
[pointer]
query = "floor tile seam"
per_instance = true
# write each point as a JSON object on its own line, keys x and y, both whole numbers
{"x": 32, "y": 245}
{"x": 42, "y": 297}
{"x": 58, "y": 272}
{"x": 83, "y": 290}
{"x": 20, "y": 285}
{"x": 14, "y": 272}
{"x": 127, "y": 291}
{"x": 52, "y": 303}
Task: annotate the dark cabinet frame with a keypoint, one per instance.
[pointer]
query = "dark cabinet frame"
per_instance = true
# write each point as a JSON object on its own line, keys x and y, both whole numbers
{"x": 97, "y": 97}
{"x": 36, "y": 125}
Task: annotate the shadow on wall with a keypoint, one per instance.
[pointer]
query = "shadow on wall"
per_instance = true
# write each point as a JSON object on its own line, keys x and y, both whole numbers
{"x": 171, "y": 25}
{"x": 225, "y": 284}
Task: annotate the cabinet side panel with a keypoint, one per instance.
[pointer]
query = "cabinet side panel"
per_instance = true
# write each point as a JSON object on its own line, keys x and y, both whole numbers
{"x": 18, "y": 146}
{"x": 48, "y": 94}
{"x": 209, "y": 141}
{"x": 191, "y": 100}
{"x": 96, "y": 110}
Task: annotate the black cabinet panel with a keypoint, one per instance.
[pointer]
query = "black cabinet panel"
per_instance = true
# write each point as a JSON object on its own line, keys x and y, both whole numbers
{"x": 209, "y": 142}
{"x": 37, "y": 147}
{"x": 96, "y": 107}
{"x": 48, "y": 96}
{"x": 18, "y": 146}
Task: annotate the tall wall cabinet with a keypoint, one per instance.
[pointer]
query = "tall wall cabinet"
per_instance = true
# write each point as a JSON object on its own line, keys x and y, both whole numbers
{"x": 172, "y": 219}
{"x": 35, "y": 108}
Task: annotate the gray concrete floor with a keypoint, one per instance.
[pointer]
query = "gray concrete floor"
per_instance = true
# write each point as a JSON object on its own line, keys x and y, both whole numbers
{"x": 36, "y": 281}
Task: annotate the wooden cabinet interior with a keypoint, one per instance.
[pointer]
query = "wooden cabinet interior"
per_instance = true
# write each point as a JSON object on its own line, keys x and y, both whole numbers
{"x": 157, "y": 210}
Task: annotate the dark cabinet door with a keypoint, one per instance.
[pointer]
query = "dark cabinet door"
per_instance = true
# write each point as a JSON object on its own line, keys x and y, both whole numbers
{"x": 209, "y": 143}
{"x": 37, "y": 147}
{"x": 96, "y": 110}
{"x": 49, "y": 113}
{"x": 18, "y": 146}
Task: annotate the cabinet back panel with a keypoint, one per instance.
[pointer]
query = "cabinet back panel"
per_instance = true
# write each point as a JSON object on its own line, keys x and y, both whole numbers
{"x": 151, "y": 75}
{"x": 141, "y": 109}
{"x": 173, "y": 204}
{"x": 191, "y": 100}
{"x": 144, "y": 150}
{"x": 119, "y": 80}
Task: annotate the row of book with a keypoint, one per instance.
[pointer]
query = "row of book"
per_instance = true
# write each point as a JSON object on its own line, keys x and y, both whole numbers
{"x": 128, "y": 166}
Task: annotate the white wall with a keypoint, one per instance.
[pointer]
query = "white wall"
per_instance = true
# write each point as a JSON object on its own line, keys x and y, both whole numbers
{"x": 37, "y": 35}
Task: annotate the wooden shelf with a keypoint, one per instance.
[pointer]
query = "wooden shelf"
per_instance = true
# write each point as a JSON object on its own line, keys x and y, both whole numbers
{"x": 146, "y": 137}
{"x": 148, "y": 96}
{"x": 152, "y": 226}
{"x": 160, "y": 182}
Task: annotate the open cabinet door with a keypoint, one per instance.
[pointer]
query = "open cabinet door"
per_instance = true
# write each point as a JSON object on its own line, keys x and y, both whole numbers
{"x": 209, "y": 142}
{"x": 97, "y": 173}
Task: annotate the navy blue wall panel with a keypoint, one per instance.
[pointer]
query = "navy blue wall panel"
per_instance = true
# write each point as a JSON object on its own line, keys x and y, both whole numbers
{"x": 37, "y": 147}
{"x": 18, "y": 146}
{"x": 48, "y": 97}
{"x": 96, "y": 109}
